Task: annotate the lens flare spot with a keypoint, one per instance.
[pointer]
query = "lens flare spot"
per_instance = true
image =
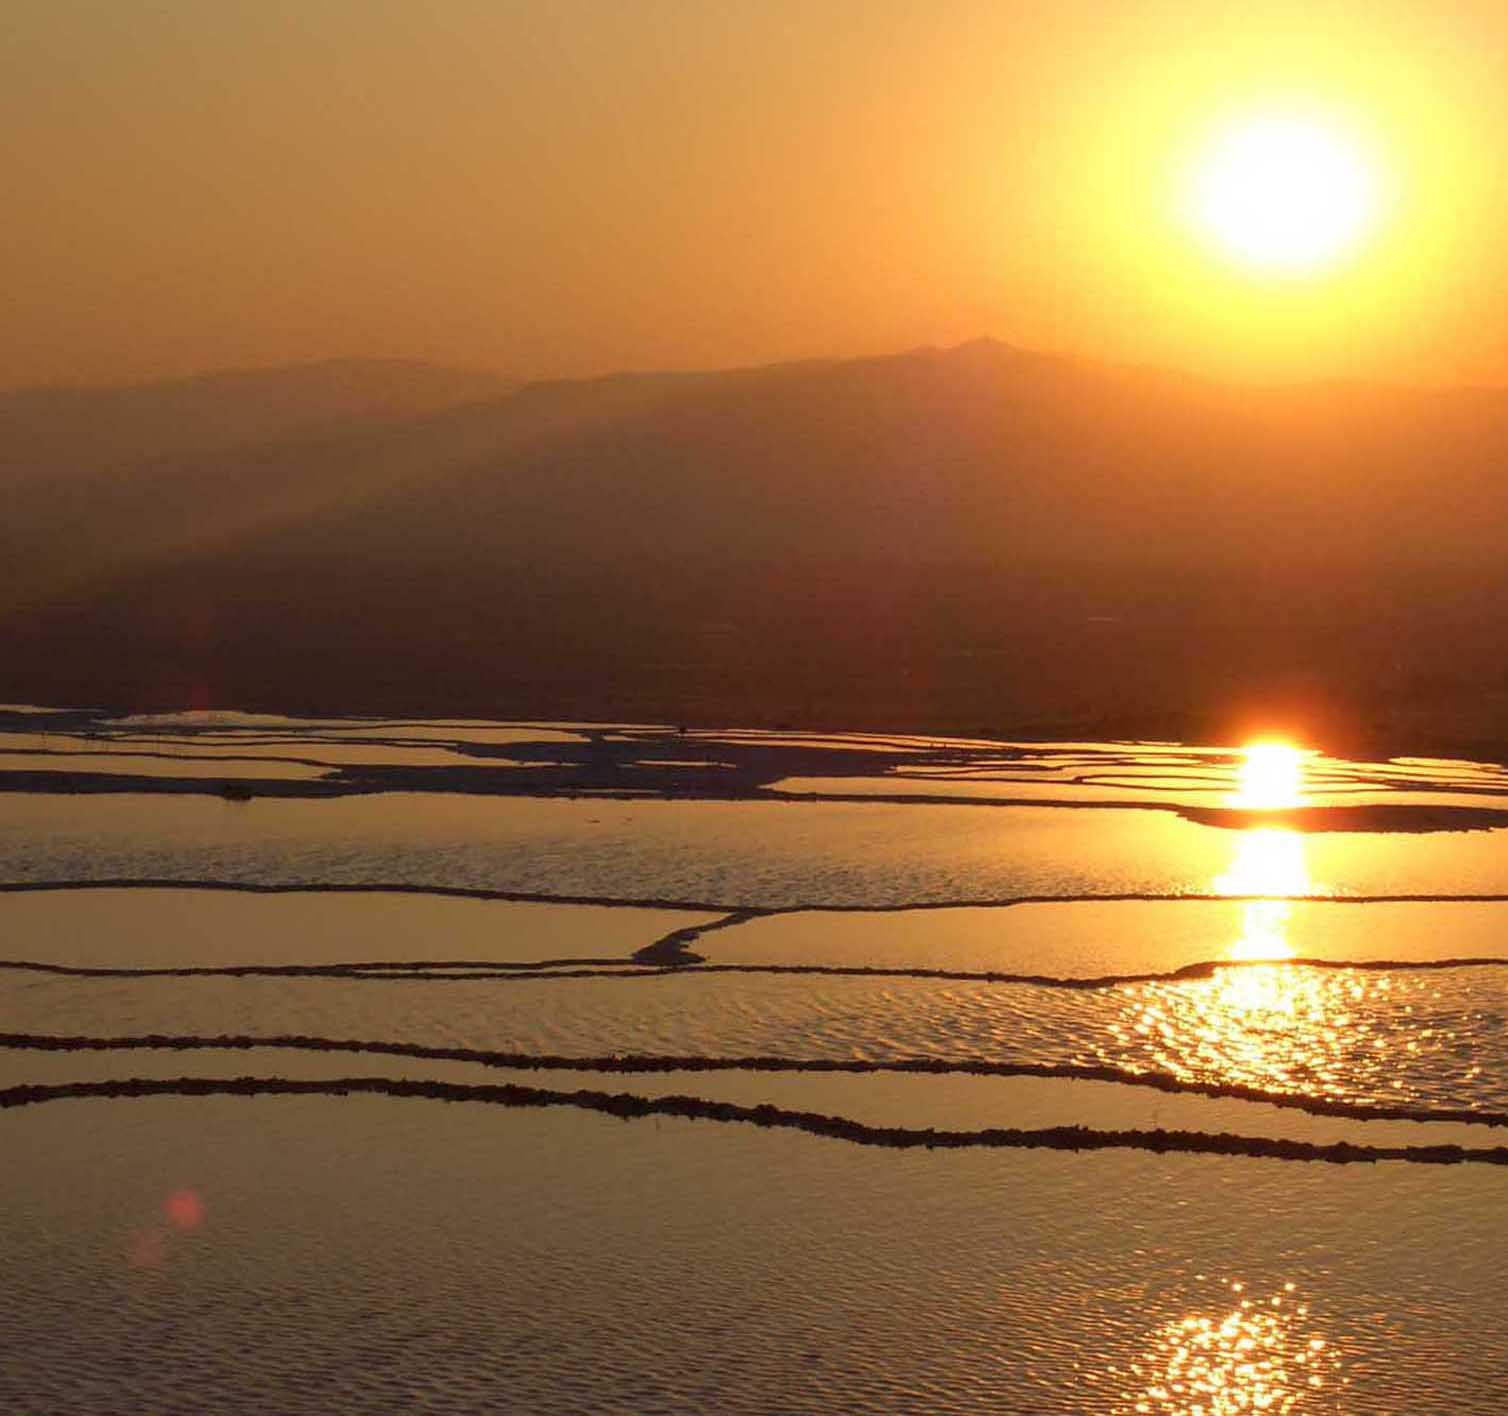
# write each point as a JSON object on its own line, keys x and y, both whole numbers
{"x": 184, "y": 1209}
{"x": 147, "y": 1249}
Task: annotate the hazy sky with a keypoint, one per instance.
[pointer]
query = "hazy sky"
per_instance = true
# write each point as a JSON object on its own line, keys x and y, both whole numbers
{"x": 570, "y": 186}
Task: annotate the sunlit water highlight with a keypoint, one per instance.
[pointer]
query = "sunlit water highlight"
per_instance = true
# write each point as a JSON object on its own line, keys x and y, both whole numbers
{"x": 1268, "y": 861}
{"x": 1249, "y": 1354}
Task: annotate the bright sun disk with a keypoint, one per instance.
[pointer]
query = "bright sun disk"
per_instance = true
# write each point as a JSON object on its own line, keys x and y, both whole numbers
{"x": 1270, "y": 776}
{"x": 1284, "y": 194}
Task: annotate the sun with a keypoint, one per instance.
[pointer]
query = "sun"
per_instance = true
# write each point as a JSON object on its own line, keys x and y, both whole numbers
{"x": 1271, "y": 776}
{"x": 1285, "y": 194}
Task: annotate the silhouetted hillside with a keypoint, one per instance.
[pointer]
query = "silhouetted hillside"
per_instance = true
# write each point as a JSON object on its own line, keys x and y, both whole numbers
{"x": 95, "y": 479}
{"x": 971, "y": 538}
{"x": 46, "y": 431}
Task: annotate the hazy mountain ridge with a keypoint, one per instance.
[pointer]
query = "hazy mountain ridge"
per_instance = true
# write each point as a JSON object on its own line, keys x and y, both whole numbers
{"x": 101, "y": 478}
{"x": 814, "y": 538}
{"x": 60, "y": 430}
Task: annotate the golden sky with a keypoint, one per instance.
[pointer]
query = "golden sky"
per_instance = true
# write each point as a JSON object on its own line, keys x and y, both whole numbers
{"x": 562, "y": 187}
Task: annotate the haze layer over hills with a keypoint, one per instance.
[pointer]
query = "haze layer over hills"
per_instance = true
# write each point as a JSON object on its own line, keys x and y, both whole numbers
{"x": 970, "y": 539}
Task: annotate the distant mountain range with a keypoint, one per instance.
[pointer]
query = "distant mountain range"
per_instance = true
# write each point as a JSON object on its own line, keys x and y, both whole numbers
{"x": 973, "y": 538}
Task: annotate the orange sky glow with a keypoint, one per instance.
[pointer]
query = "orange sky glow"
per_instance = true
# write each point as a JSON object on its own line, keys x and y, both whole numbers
{"x": 585, "y": 185}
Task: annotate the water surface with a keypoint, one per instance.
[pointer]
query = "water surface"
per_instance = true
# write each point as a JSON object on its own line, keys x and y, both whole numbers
{"x": 1160, "y": 1012}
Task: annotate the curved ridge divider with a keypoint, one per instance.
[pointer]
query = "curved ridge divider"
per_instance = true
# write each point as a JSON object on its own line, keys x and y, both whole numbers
{"x": 647, "y": 963}
{"x": 452, "y": 892}
{"x": 125, "y": 747}
{"x": 649, "y": 1064}
{"x": 436, "y": 970}
{"x": 629, "y": 1107}
{"x": 720, "y": 907}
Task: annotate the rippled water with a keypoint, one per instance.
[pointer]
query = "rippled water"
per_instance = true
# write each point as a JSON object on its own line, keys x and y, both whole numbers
{"x": 1433, "y": 1040}
{"x": 603, "y": 915}
{"x": 376, "y": 1255}
{"x": 753, "y": 853}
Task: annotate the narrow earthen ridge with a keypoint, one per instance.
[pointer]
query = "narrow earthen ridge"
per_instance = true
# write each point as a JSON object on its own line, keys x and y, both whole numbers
{"x": 628, "y": 1107}
{"x": 670, "y": 957}
{"x": 436, "y": 971}
{"x": 650, "y": 1064}
{"x": 380, "y": 887}
{"x": 744, "y": 909}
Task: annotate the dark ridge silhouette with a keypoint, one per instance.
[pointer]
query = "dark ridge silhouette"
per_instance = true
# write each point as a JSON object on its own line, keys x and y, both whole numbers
{"x": 144, "y": 749}
{"x": 744, "y": 911}
{"x": 673, "y": 960}
{"x": 627, "y": 1107}
{"x": 380, "y": 971}
{"x": 1378, "y": 817}
{"x": 976, "y": 540}
{"x": 647, "y": 1064}
{"x": 453, "y": 892}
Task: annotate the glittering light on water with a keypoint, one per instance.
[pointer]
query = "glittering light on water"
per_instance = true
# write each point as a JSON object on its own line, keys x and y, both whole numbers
{"x": 1247, "y": 1354}
{"x": 1277, "y": 1026}
{"x": 1264, "y": 1021}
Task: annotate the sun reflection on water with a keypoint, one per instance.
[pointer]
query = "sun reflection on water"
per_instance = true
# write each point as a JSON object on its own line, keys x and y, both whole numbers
{"x": 1246, "y": 1354}
{"x": 1266, "y": 1014}
{"x": 1261, "y": 1019}
{"x": 1268, "y": 861}
{"x": 1280, "y": 1027}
